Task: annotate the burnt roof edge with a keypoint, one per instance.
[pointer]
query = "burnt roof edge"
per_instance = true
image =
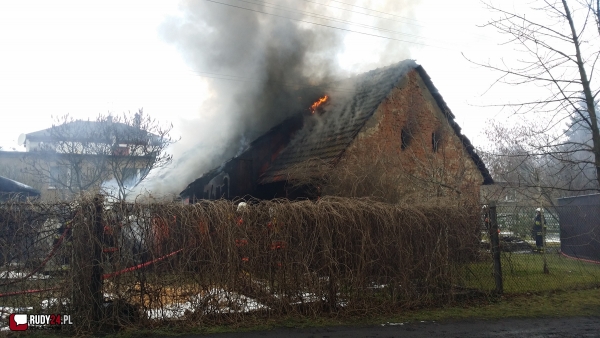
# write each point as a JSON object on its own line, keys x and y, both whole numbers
{"x": 487, "y": 178}
{"x": 294, "y": 118}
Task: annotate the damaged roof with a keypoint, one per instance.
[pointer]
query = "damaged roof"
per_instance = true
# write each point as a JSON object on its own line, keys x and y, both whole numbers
{"x": 326, "y": 136}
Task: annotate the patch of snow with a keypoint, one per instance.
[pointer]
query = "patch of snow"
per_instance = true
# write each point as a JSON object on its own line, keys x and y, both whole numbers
{"x": 382, "y": 286}
{"x": 245, "y": 304}
{"x": 5, "y": 311}
{"x": 308, "y": 297}
{"x": 173, "y": 311}
{"x": 110, "y": 295}
{"x": 392, "y": 324}
{"x": 19, "y": 275}
{"x": 47, "y": 303}
{"x": 215, "y": 300}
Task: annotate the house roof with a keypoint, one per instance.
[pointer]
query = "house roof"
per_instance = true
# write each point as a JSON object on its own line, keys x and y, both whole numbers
{"x": 8, "y": 186}
{"x": 325, "y": 137}
{"x": 85, "y": 130}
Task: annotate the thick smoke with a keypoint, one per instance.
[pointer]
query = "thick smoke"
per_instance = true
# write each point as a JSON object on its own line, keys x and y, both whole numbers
{"x": 262, "y": 68}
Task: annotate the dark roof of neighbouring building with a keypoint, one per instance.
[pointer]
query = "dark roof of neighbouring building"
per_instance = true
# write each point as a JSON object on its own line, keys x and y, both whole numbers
{"x": 8, "y": 186}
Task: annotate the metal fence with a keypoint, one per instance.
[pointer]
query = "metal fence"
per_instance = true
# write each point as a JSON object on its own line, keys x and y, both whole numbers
{"x": 568, "y": 258}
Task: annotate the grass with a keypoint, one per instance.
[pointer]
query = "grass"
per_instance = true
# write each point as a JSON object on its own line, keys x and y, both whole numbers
{"x": 544, "y": 304}
{"x": 524, "y": 272}
{"x": 557, "y": 304}
{"x": 570, "y": 289}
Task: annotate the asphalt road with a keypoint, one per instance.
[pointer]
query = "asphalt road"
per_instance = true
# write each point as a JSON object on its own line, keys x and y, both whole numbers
{"x": 513, "y": 328}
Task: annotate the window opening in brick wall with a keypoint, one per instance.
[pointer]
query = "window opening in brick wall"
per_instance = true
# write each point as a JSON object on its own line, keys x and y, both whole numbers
{"x": 435, "y": 141}
{"x": 405, "y": 138}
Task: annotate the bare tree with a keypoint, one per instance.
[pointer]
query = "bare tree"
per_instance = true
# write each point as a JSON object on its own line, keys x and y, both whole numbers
{"x": 530, "y": 177}
{"x": 558, "y": 48}
{"x": 594, "y": 6}
{"x": 136, "y": 151}
{"x": 113, "y": 153}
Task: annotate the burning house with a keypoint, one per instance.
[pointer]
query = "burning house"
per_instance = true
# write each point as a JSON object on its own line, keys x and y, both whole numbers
{"x": 394, "y": 113}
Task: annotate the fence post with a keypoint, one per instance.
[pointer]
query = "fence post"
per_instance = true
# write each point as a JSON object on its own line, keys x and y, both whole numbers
{"x": 544, "y": 229}
{"x": 86, "y": 271}
{"x": 96, "y": 280}
{"x": 495, "y": 240}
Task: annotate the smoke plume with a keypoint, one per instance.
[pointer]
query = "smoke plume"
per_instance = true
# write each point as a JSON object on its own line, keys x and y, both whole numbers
{"x": 264, "y": 67}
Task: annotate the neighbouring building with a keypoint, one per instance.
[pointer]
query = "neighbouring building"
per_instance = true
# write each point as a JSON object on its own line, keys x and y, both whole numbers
{"x": 579, "y": 220}
{"x": 78, "y": 156}
{"x": 392, "y": 118}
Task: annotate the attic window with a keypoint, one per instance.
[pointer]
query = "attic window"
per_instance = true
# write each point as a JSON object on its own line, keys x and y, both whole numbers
{"x": 405, "y": 138}
{"x": 435, "y": 141}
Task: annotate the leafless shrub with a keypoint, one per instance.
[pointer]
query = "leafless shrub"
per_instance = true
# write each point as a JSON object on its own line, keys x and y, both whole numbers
{"x": 215, "y": 262}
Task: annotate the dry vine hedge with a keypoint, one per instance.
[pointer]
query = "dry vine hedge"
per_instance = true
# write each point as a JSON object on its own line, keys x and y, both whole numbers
{"x": 215, "y": 263}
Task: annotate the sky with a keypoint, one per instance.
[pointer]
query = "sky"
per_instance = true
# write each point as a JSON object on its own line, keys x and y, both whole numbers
{"x": 83, "y": 58}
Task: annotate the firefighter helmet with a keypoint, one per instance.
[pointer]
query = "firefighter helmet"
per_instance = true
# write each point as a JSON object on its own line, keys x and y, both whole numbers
{"x": 242, "y": 206}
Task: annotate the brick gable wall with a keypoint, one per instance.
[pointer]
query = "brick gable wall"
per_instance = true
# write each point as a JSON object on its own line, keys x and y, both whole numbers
{"x": 417, "y": 168}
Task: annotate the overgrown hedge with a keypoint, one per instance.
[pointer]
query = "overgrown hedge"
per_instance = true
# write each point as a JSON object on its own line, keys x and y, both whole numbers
{"x": 216, "y": 262}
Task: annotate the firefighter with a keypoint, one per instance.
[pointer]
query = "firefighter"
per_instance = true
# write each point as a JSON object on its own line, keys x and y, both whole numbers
{"x": 63, "y": 237}
{"x": 486, "y": 217}
{"x": 539, "y": 228}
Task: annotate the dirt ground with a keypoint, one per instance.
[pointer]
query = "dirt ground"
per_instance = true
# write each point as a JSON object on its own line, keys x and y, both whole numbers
{"x": 506, "y": 328}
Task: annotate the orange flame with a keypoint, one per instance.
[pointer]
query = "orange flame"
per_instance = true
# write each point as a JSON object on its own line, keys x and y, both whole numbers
{"x": 319, "y": 102}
